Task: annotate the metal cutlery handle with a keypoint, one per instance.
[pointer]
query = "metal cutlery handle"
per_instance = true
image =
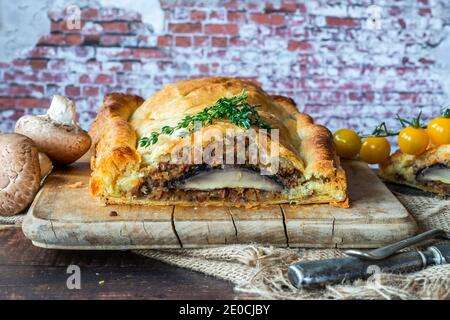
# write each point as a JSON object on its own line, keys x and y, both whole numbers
{"x": 384, "y": 252}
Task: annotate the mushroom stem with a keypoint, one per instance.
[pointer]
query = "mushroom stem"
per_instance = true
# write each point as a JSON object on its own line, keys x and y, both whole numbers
{"x": 62, "y": 110}
{"x": 45, "y": 164}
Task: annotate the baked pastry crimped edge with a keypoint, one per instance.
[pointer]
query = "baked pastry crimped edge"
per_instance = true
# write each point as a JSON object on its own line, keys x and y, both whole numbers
{"x": 115, "y": 141}
{"x": 402, "y": 168}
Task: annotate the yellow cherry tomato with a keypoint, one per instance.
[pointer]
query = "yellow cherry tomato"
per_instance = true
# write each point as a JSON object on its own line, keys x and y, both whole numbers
{"x": 413, "y": 141}
{"x": 347, "y": 143}
{"x": 439, "y": 130}
{"x": 375, "y": 150}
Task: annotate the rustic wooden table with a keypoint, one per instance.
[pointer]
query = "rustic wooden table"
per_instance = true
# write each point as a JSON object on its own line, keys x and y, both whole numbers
{"x": 28, "y": 272}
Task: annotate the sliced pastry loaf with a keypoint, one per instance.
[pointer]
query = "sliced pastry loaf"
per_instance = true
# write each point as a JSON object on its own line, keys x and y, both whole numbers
{"x": 147, "y": 153}
{"x": 429, "y": 171}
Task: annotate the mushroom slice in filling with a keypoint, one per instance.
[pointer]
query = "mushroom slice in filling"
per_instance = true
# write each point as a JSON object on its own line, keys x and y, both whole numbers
{"x": 437, "y": 173}
{"x": 230, "y": 178}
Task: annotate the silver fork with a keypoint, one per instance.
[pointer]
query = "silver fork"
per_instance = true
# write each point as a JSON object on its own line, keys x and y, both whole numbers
{"x": 387, "y": 251}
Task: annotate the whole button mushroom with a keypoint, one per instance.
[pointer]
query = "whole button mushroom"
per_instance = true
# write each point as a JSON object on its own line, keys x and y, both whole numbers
{"x": 20, "y": 174}
{"x": 57, "y": 133}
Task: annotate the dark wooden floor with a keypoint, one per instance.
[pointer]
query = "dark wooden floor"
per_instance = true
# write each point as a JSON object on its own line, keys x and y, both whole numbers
{"x": 28, "y": 272}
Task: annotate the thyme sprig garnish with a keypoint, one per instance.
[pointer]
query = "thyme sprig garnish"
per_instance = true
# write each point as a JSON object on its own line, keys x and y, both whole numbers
{"x": 382, "y": 130}
{"x": 236, "y": 109}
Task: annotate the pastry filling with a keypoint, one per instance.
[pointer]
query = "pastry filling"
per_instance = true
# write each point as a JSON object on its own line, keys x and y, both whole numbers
{"x": 437, "y": 172}
{"x": 230, "y": 178}
{"x": 436, "y": 176}
{"x": 221, "y": 183}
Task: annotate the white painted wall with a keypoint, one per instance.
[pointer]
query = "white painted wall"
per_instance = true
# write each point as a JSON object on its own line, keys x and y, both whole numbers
{"x": 23, "y": 22}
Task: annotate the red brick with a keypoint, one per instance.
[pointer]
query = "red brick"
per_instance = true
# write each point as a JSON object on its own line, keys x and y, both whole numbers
{"x": 55, "y": 26}
{"x": 299, "y": 45}
{"x": 91, "y": 39}
{"x": 183, "y": 41}
{"x": 64, "y": 26}
{"x": 73, "y": 39}
{"x": 200, "y": 41}
{"x": 7, "y": 102}
{"x": 231, "y": 4}
{"x": 217, "y": 53}
{"x": 238, "y": 42}
{"x": 198, "y": 15}
{"x": 165, "y": 41}
{"x": 361, "y": 96}
{"x": 19, "y": 62}
{"x": 409, "y": 96}
{"x": 342, "y": 22}
{"x": 103, "y": 79}
{"x": 110, "y": 40}
{"x": 127, "y": 65}
{"x": 254, "y": 6}
{"x": 19, "y": 90}
{"x": 72, "y": 91}
{"x": 227, "y": 29}
{"x": 219, "y": 42}
{"x": 89, "y": 14}
{"x": 425, "y": 12}
{"x": 52, "y": 39}
{"x": 51, "y": 77}
{"x": 426, "y": 61}
{"x": 270, "y": 19}
{"x": 217, "y": 15}
{"x": 115, "y": 27}
{"x": 38, "y": 64}
{"x": 234, "y": 16}
{"x": 395, "y": 11}
{"x": 85, "y": 78}
{"x": 185, "y": 27}
{"x": 19, "y": 76}
{"x": 147, "y": 53}
{"x": 202, "y": 68}
{"x": 90, "y": 91}
{"x": 286, "y": 6}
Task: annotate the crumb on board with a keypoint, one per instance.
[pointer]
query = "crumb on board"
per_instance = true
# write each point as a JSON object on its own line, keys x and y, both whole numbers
{"x": 75, "y": 185}
{"x": 113, "y": 214}
{"x": 101, "y": 282}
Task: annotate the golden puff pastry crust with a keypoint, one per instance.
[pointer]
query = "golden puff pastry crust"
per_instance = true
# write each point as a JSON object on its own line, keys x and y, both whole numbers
{"x": 310, "y": 171}
{"x": 412, "y": 170}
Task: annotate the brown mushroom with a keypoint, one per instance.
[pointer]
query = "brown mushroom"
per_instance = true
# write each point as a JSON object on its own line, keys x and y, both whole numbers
{"x": 20, "y": 174}
{"x": 57, "y": 133}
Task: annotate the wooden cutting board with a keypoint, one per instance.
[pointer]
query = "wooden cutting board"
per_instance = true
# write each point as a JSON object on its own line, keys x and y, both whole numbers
{"x": 64, "y": 216}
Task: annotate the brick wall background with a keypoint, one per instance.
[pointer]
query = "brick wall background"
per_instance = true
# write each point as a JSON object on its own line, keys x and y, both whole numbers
{"x": 319, "y": 52}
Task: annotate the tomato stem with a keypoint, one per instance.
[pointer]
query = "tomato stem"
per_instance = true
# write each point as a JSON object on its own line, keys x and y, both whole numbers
{"x": 415, "y": 122}
{"x": 446, "y": 113}
{"x": 380, "y": 131}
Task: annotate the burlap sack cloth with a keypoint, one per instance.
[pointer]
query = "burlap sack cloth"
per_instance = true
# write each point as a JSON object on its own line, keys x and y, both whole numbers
{"x": 263, "y": 270}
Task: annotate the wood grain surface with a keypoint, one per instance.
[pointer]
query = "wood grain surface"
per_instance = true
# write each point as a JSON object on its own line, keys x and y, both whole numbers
{"x": 63, "y": 215}
{"x": 29, "y": 272}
